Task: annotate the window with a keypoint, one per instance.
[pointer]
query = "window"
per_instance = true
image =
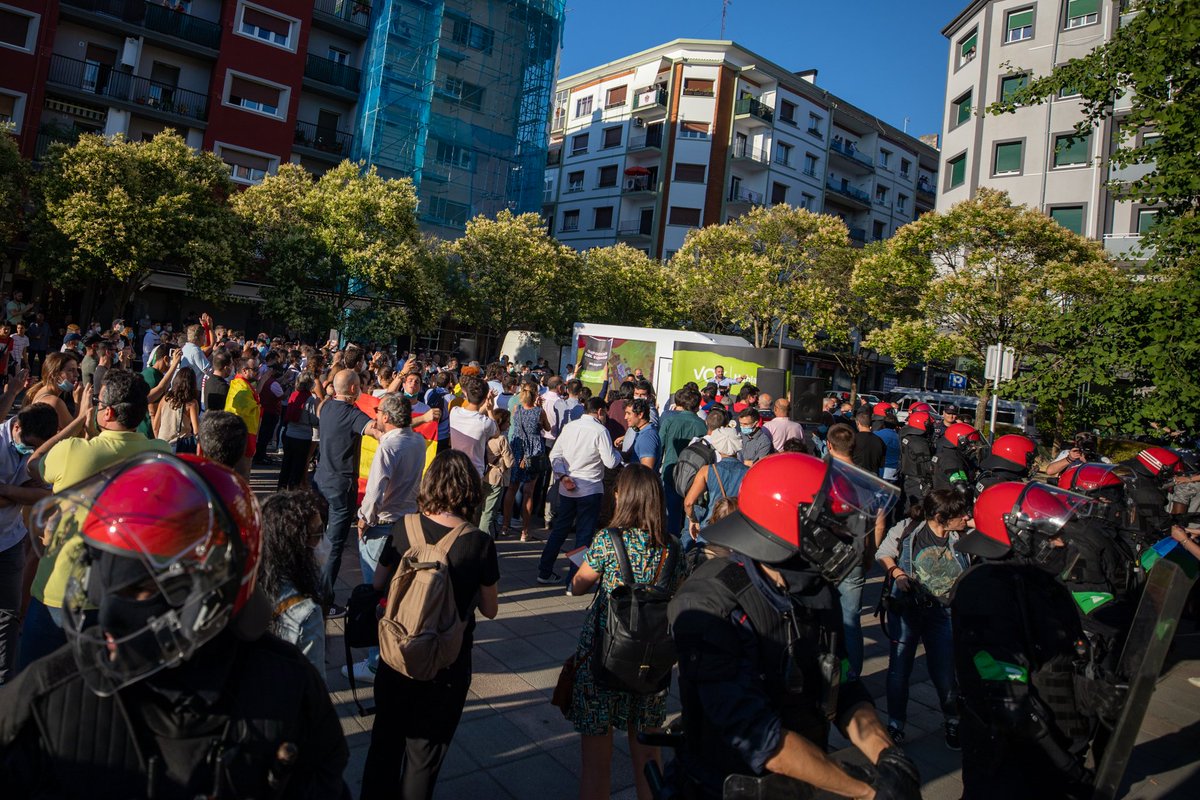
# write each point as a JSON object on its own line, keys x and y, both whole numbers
{"x": 961, "y": 110}
{"x": 1147, "y": 218}
{"x": 680, "y": 215}
{"x": 12, "y": 107}
{"x": 575, "y": 181}
{"x": 807, "y": 200}
{"x": 693, "y": 130}
{"x": 612, "y": 137}
{"x": 1018, "y": 25}
{"x": 783, "y": 155}
{"x": 810, "y": 164}
{"x": 571, "y": 220}
{"x": 902, "y": 203}
{"x": 787, "y": 112}
{"x": 579, "y": 144}
{"x": 957, "y": 172}
{"x": 452, "y": 155}
{"x": 1151, "y": 139}
{"x": 1071, "y": 150}
{"x": 1082, "y": 12}
{"x": 968, "y": 47}
{"x": 778, "y": 193}
{"x": 905, "y": 168}
{"x": 814, "y": 125}
{"x": 689, "y": 173}
{"x": 1067, "y": 91}
{"x": 607, "y": 177}
{"x": 881, "y": 195}
{"x": 1008, "y": 158}
{"x": 255, "y": 96}
{"x": 448, "y": 212}
{"x": 258, "y": 23}
{"x": 583, "y": 106}
{"x": 616, "y": 96}
{"x": 476, "y": 37}
{"x": 1010, "y": 85}
{"x": 885, "y": 157}
{"x": 698, "y": 87}
{"x": 1070, "y": 217}
{"x": 245, "y": 167}
{"x": 603, "y": 219}
{"x": 471, "y": 96}
{"x": 339, "y": 56}
{"x": 878, "y": 230}
{"x": 18, "y": 29}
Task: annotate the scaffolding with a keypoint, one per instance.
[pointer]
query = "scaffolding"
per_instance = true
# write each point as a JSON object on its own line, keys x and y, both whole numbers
{"x": 457, "y": 97}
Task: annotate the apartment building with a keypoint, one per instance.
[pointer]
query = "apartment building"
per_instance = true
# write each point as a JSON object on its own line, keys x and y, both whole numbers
{"x": 1035, "y": 153}
{"x": 696, "y": 132}
{"x": 453, "y": 93}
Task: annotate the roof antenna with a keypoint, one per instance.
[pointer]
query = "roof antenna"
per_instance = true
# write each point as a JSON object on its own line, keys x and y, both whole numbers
{"x": 724, "y": 12}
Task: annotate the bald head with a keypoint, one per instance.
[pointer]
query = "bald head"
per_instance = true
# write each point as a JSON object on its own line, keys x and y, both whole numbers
{"x": 783, "y": 407}
{"x": 345, "y": 382}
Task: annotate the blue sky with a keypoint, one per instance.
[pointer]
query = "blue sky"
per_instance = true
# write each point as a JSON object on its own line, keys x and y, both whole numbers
{"x": 885, "y": 56}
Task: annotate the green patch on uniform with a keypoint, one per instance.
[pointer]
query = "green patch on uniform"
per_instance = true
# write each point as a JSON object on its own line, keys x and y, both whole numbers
{"x": 992, "y": 670}
{"x": 958, "y": 477}
{"x": 845, "y": 670}
{"x": 1090, "y": 601}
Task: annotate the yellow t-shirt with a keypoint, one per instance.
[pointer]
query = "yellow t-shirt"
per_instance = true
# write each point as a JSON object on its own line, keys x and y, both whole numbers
{"x": 69, "y": 462}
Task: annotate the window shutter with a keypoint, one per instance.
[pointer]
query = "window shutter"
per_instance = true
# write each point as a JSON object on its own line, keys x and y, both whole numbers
{"x": 968, "y": 44}
{"x": 958, "y": 171}
{"x": 608, "y": 176}
{"x": 8, "y": 106}
{"x": 684, "y": 216}
{"x": 616, "y": 96}
{"x": 689, "y": 173}
{"x": 236, "y": 158}
{"x": 699, "y": 86}
{"x": 1020, "y": 19}
{"x": 1011, "y": 85}
{"x": 1081, "y": 8}
{"x": 964, "y": 108}
{"x": 1008, "y": 157}
{"x": 265, "y": 21}
{"x": 1071, "y": 150}
{"x": 240, "y": 87}
{"x": 694, "y": 127}
{"x": 612, "y": 137}
{"x": 1070, "y": 218}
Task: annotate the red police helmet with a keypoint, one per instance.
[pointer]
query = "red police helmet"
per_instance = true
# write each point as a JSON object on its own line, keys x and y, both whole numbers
{"x": 883, "y": 409}
{"x": 1016, "y": 449}
{"x": 1089, "y": 478}
{"x": 1161, "y": 462}
{"x": 960, "y": 433}
{"x": 921, "y": 420}
{"x": 915, "y": 407}
{"x": 1005, "y": 511}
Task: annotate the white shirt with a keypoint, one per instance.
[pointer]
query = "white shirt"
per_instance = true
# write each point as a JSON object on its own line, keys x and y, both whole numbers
{"x": 394, "y": 477}
{"x": 782, "y": 429}
{"x": 582, "y": 451}
{"x": 149, "y": 342}
{"x": 469, "y": 433}
{"x": 19, "y": 345}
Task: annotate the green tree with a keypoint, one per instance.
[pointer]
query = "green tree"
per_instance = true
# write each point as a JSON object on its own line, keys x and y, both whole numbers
{"x": 112, "y": 211}
{"x": 986, "y": 271}
{"x": 14, "y": 185}
{"x": 512, "y": 275}
{"x": 768, "y": 271}
{"x": 619, "y": 285}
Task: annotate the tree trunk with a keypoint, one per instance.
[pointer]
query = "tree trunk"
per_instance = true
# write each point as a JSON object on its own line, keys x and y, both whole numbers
{"x": 981, "y": 410}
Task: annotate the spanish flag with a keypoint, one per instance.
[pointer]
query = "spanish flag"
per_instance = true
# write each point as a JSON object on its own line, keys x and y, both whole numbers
{"x": 367, "y": 404}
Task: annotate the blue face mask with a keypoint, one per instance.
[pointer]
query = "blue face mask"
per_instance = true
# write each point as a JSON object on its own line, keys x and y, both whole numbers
{"x": 748, "y": 430}
{"x": 157, "y": 328}
{"x": 22, "y": 448}
{"x": 66, "y": 386}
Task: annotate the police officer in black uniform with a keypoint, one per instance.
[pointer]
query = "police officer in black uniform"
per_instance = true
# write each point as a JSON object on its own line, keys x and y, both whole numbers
{"x": 176, "y": 691}
{"x": 955, "y": 461}
{"x": 1153, "y": 471}
{"x": 761, "y": 661}
{"x": 916, "y": 456}
{"x": 1010, "y": 458}
{"x": 1030, "y": 705}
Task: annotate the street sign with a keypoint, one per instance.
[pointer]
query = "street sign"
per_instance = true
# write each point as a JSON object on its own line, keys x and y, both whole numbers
{"x": 994, "y": 359}
{"x": 957, "y": 381}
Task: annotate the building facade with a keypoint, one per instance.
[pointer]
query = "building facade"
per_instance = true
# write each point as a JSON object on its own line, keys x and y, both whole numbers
{"x": 1035, "y": 154}
{"x": 697, "y": 132}
{"x": 453, "y": 93}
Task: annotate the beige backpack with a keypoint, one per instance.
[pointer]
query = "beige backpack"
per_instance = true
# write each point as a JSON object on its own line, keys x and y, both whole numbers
{"x": 421, "y": 631}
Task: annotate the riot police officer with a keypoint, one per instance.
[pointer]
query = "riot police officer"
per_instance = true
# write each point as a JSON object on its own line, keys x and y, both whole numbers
{"x": 916, "y": 456}
{"x": 1010, "y": 458}
{"x": 955, "y": 462}
{"x": 1029, "y": 704}
{"x": 1153, "y": 470}
{"x": 759, "y": 639}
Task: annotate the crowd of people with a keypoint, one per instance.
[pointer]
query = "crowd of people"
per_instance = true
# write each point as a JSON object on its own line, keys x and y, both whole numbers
{"x": 140, "y": 576}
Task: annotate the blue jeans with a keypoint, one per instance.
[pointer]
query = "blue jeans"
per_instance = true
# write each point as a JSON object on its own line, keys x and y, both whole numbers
{"x": 850, "y": 590}
{"x": 370, "y": 547}
{"x": 337, "y": 530}
{"x": 578, "y": 512}
{"x": 931, "y": 625}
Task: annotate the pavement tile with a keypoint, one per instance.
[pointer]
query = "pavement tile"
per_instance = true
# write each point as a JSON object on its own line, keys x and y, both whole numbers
{"x": 538, "y": 776}
{"x": 517, "y": 654}
{"x": 477, "y": 784}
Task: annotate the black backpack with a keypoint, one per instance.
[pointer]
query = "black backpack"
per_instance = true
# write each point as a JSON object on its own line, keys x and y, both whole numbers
{"x": 691, "y": 458}
{"x": 636, "y": 651}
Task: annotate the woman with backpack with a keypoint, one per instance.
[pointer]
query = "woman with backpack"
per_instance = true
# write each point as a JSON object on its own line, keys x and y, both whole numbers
{"x": 416, "y": 719}
{"x": 597, "y": 708}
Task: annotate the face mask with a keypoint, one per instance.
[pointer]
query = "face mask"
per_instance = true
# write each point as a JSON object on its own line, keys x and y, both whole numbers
{"x": 22, "y": 448}
{"x": 747, "y": 430}
{"x": 66, "y": 386}
{"x": 157, "y": 328}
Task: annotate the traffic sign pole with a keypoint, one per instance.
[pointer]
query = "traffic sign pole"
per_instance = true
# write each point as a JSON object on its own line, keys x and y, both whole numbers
{"x": 999, "y": 362}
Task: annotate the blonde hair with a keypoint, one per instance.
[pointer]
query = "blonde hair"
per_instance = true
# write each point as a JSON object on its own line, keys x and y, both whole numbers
{"x": 528, "y": 394}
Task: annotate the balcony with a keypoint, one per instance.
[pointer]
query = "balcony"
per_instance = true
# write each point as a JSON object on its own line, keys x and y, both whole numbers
{"x": 858, "y": 235}
{"x": 345, "y": 16}
{"x": 648, "y": 142}
{"x": 756, "y": 112}
{"x": 849, "y": 156}
{"x": 124, "y": 89}
{"x": 750, "y": 157}
{"x": 745, "y": 197}
{"x": 925, "y": 191}
{"x": 1127, "y": 247}
{"x": 635, "y": 229}
{"x": 322, "y": 142}
{"x": 157, "y": 22}
{"x": 331, "y": 77}
{"x": 639, "y": 185}
{"x": 46, "y": 138}
{"x": 1130, "y": 172}
{"x": 554, "y": 157}
{"x": 651, "y": 101}
{"x": 848, "y": 195}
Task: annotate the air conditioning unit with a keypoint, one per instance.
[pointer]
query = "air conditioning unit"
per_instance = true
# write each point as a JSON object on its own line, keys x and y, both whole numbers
{"x": 638, "y": 122}
{"x": 129, "y": 54}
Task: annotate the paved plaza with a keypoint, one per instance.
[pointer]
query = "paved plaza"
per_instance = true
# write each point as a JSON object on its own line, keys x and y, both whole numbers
{"x": 513, "y": 744}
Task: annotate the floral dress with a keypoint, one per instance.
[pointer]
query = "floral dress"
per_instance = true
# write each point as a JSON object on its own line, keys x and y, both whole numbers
{"x": 596, "y": 709}
{"x": 527, "y": 443}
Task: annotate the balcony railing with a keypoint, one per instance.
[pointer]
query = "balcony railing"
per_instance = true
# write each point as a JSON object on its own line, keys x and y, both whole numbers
{"x": 847, "y": 190}
{"x": 746, "y": 196}
{"x": 350, "y": 11}
{"x": 1126, "y": 247}
{"x": 647, "y": 141}
{"x": 638, "y": 183}
{"x": 925, "y": 187}
{"x": 44, "y": 140}
{"x": 652, "y": 98}
{"x": 848, "y": 150}
{"x": 155, "y": 17}
{"x": 858, "y": 235}
{"x": 754, "y": 108}
{"x": 325, "y": 139}
{"x": 98, "y": 79}
{"x": 743, "y": 151}
{"x": 331, "y": 72}
{"x": 634, "y": 227}
{"x": 1130, "y": 172}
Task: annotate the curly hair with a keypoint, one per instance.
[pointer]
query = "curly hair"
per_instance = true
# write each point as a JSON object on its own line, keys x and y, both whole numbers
{"x": 183, "y": 388}
{"x": 451, "y": 486}
{"x": 287, "y": 558}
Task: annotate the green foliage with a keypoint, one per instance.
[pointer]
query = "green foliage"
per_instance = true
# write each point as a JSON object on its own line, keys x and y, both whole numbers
{"x": 772, "y": 268}
{"x": 14, "y": 183}
{"x": 113, "y": 210}
{"x": 512, "y": 275}
{"x": 619, "y": 285}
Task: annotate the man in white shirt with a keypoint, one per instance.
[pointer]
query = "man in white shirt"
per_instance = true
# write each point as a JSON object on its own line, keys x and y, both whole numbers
{"x": 470, "y": 424}
{"x": 580, "y": 455}
{"x": 20, "y": 346}
{"x": 781, "y": 427}
{"x": 198, "y": 348}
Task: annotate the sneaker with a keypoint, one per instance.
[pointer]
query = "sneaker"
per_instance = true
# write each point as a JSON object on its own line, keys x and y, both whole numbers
{"x": 550, "y": 579}
{"x": 335, "y": 611}
{"x": 569, "y": 592}
{"x": 952, "y": 740}
{"x": 1194, "y": 682}
{"x": 895, "y": 733}
{"x": 362, "y": 672}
